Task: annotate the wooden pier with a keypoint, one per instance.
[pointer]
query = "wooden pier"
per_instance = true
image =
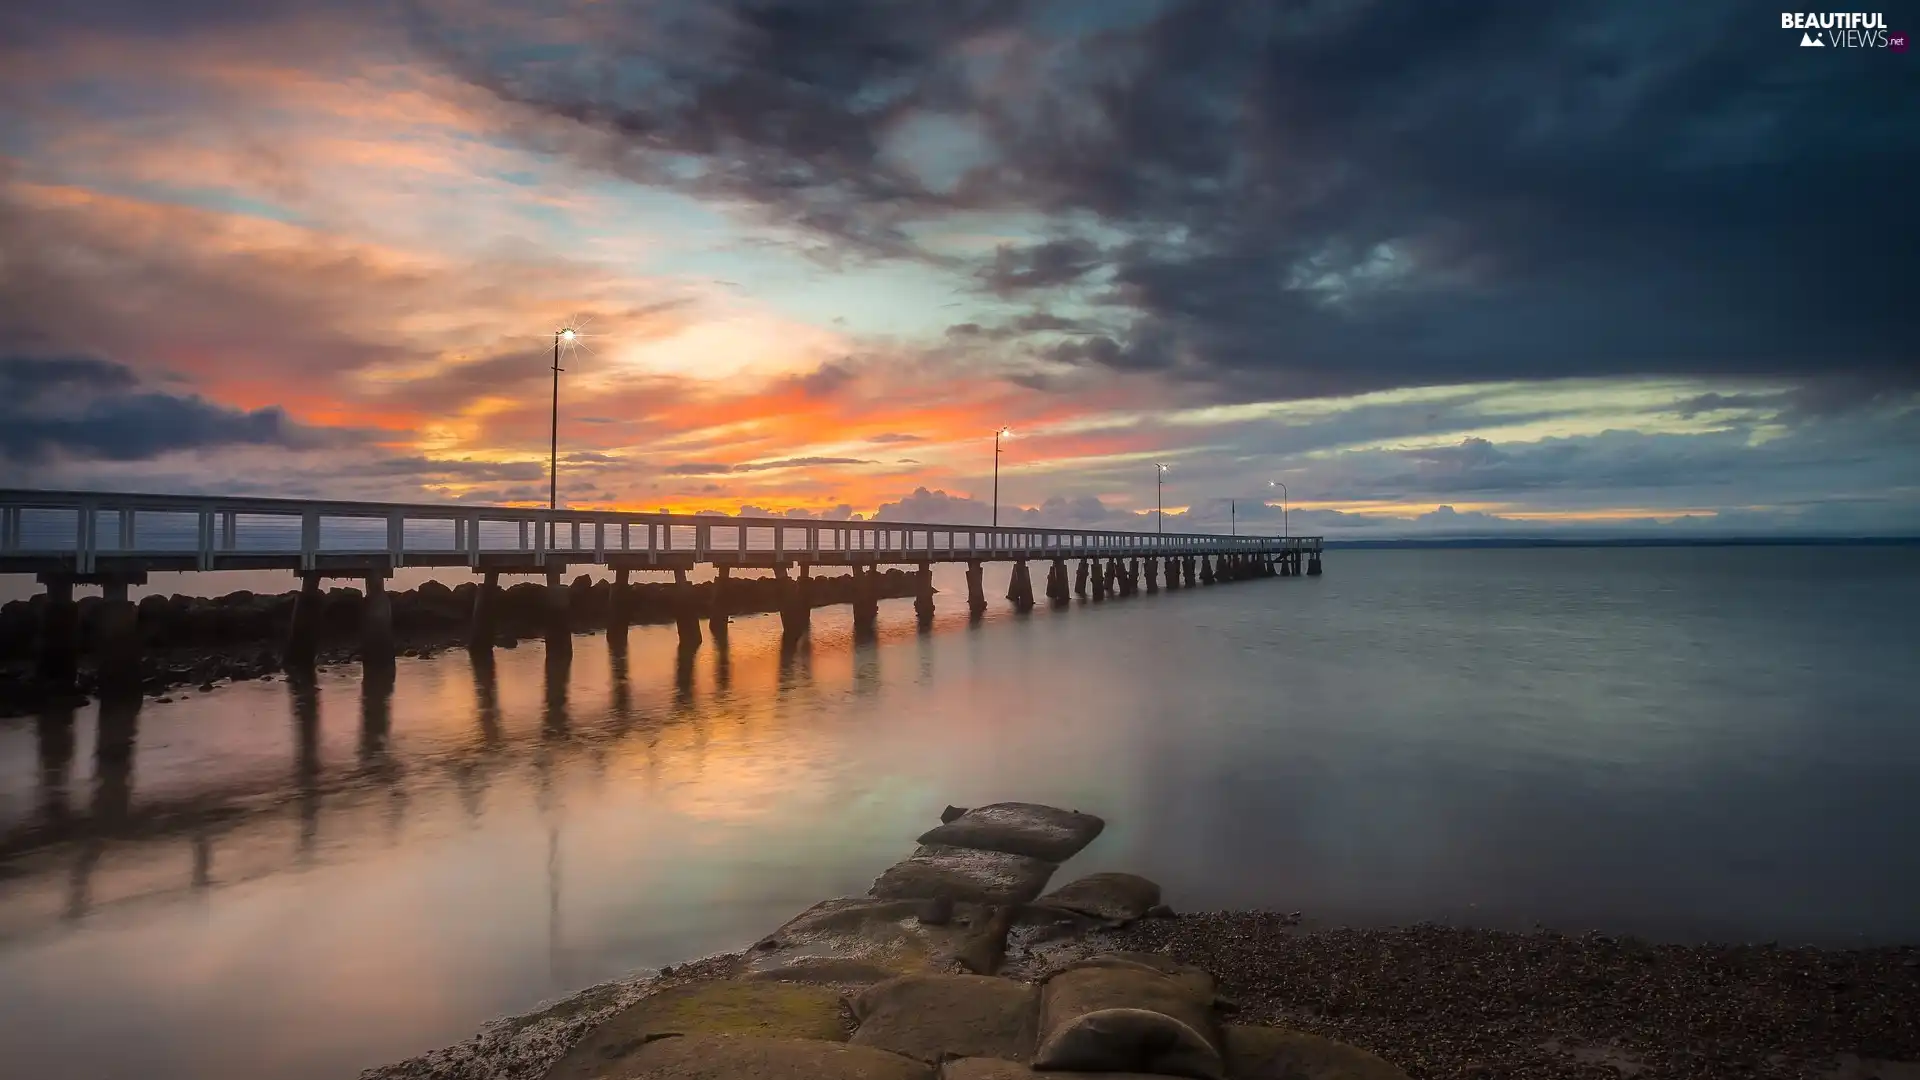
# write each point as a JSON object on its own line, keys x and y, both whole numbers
{"x": 114, "y": 540}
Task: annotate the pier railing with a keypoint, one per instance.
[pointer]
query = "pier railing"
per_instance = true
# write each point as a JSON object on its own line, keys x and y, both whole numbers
{"x": 91, "y": 533}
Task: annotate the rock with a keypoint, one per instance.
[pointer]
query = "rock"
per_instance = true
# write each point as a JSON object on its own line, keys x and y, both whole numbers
{"x": 740, "y": 1057}
{"x": 709, "y": 1007}
{"x": 1116, "y": 898}
{"x": 948, "y": 815}
{"x": 1030, "y": 829}
{"x": 936, "y": 911}
{"x": 967, "y": 874}
{"x": 1160, "y": 911}
{"x": 847, "y": 933}
{"x": 1118, "y": 1014}
{"x": 934, "y": 1017}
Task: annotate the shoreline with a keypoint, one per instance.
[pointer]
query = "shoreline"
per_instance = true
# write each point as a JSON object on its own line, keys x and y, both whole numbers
{"x": 1435, "y": 1001}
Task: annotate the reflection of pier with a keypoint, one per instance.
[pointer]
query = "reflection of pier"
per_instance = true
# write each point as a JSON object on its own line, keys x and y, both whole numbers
{"x": 74, "y": 838}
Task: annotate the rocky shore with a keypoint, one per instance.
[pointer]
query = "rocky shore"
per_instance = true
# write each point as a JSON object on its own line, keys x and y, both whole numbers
{"x": 956, "y": 967}
{"x": 200, "y": 641}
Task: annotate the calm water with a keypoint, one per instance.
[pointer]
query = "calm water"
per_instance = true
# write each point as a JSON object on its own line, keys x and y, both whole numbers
{"x": 260, "y": 881}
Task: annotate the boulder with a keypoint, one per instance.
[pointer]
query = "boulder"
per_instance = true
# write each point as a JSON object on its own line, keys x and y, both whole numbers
{"x": 1001, "y": 1069}
{"x": 967, "y": 874}
{"x": 1030, "y": 829}
{"x": 1117, "y": 1014}
{"x": 770, "y": 1010}
{"x": 743, "y": 1057}
{"x": 842, "y": 940}
{"x": 934, "y": 1017}
{"x": 1113, "y": 897}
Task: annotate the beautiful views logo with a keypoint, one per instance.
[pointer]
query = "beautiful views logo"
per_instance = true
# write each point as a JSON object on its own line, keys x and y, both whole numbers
{"x": 1843, "y": 30}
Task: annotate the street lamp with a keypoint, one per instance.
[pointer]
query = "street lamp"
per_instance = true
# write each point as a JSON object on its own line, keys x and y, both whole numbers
{"x": 567, "y": 334}
{"x": 1003, "y": 433}
{"x": 1159, "y": 515}
{"x": 1284, "y": 531}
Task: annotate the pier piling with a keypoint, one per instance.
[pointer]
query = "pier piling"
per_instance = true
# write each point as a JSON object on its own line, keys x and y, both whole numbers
{"x": 1080, "y": 580}
{"x": 483, "y": 625}
{"x": 116, "y": 640}
{"x": 685, "y": 616}
{"x": 923, "y": 593}
{"x": 58, "y": 661}
{"x": 717, "y": 603}
{"x": 559, "y": 632}
{"x": 976, "y": 589}
{"x": 376, "y": 624}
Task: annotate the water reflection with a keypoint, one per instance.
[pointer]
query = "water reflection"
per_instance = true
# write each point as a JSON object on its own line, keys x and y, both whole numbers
{"x": 500, "y": 834}
{"x": 54, "y": 743}
{"x": 303, "y": 695}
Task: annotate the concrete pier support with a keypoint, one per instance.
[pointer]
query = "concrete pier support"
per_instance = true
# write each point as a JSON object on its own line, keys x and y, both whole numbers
{"x": 376, "y": 624}
{"x": 923, "y": 593}
{"x": 1133, "y": 576}
{"x": 1191, "y": 581}
{"x": 1313, "y": 565}
{"x": 1059, "y": 586}
{"x": 976, "y": 589}
{"x": 1286, "y": 564}
{"x": 483, "y": 626}
{"x": 1153, "y": 574}
{"x": 685, "y": 615}
{"x": 1102, "y": 581}
{"x": 116, "y": 639}
{"x": 866, "y": 604}
{"x": 717, "y": 608}
{"x": 1080, "y": 580}
{"x": 1022, "y": 587}
{"x": 619, "y": 601}
{"x": 1173, "y": 572}
{"x": 796, "y": 611}
{"x": 303, "y": 635}
{"x": 559, "y": 631}
{"x": 58, "y": 660}
{"x": 1207, "y": 576}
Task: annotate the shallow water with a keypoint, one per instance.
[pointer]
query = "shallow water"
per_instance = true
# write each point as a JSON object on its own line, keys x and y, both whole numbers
{"x": 266, "y": 880}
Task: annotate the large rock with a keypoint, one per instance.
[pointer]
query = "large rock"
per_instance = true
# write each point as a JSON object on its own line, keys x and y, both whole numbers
{"x": 857, "y": 941}
{"x": 1002, "y": 1069}
{"x": 1265, "y": 1053}
{"x": 1115, "y": 1014}
{"x": 966, "y": 874}
{"x": 1113, "y": 897}
{"x": 713, "y": 1007}
{"x": 934, "y": 1017}
{"x": 741, "y": 1057}
{"x": 1030, "y": 829}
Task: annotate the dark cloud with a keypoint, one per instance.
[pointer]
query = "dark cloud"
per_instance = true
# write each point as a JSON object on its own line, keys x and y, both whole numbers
{"x": 1509, "y": 190}
{"x": 93, "y": 409}
{"x": 1015, "y": 270}
{"x": 896, "y": 437}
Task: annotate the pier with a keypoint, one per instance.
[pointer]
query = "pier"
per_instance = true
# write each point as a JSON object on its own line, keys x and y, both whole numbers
{"x": 114, "y": 540}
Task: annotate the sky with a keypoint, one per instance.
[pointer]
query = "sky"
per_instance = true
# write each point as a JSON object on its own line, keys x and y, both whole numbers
{"x": 1381, "y": 267}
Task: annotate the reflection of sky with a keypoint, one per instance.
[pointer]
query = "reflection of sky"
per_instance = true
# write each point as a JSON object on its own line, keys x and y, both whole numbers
{"x": 1578, "y": 752}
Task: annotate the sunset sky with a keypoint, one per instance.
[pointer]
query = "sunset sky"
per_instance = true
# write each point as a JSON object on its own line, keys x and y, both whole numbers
{"x": 1495, "y": 267}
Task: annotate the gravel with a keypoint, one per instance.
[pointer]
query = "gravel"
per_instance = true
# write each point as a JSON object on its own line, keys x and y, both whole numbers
{"x": 1442, "y": 1002}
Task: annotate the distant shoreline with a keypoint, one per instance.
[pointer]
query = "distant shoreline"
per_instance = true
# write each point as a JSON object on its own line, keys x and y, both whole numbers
{"x": 1624, "y": 542}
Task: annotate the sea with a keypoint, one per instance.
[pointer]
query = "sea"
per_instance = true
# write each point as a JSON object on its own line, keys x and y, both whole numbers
{"x": 1686, "y": 744}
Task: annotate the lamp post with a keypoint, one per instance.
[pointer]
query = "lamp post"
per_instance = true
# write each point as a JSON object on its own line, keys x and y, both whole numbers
{"x": 1284, "y": 531}
{"x": 565, "y": 333}
{"x": 1159, "y": 514}
{"x": 1233, "y": 517}
{"x": 1003, "y": 433}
